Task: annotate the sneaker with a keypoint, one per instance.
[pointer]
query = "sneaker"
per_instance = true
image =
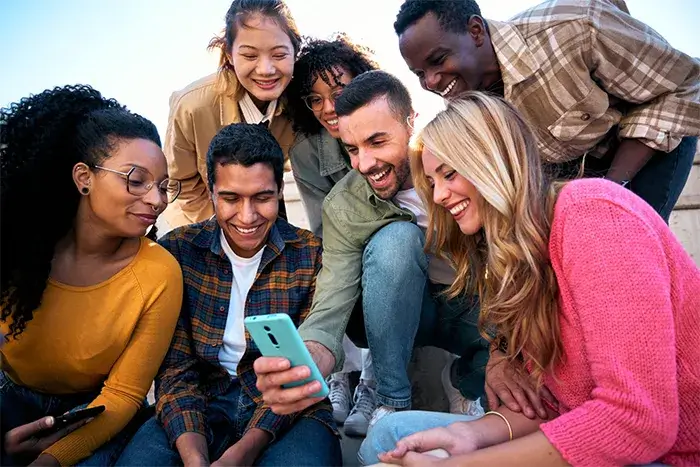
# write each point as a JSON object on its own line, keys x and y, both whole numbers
{"x": 339, "y": 396}
{"x": 381, "y": 412}
{"x": 358, "y": 422}
{"x": 458, "y": 403}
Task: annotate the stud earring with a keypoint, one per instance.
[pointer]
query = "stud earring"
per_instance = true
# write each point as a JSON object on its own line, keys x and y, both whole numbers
{"x": 85, "y": 190}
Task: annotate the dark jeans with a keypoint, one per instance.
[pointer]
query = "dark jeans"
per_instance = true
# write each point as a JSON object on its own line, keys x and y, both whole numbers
{"x": 659, "y": 183}
{"x": 20, "y": 405}
{"x": 401, "y": 309}
{"x": 308, "y": 442}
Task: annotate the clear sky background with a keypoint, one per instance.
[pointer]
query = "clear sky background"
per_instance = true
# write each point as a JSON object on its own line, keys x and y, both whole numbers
{"x": 139, "y": 51}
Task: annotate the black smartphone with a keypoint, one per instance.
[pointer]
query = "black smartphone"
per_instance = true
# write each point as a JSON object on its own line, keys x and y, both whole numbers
{"x": 75, "y": 416}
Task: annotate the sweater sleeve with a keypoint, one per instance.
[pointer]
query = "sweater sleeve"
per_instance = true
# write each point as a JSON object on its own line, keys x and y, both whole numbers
{"x": 612, "y": 270}
{"x": 131, "y": 375}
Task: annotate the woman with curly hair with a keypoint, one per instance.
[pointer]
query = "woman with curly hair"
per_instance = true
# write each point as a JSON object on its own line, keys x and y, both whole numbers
{"x": 257, "y": 51}
{"x": 318, "y": 161}
{"x": 582, "y": 281}
{"x": 89, "y": 305}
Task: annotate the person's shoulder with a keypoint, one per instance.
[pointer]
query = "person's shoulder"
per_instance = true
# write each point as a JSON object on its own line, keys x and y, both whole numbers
{"x": 352, "y": 186}
{"x": 556, "y": 13}
{"x": 155, "y": 263}
{"x": 301, "y": 238}
{"x": 196, "y": 95}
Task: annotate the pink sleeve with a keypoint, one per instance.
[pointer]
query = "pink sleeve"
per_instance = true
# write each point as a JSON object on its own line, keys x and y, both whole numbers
{"x": 613, "y": 273}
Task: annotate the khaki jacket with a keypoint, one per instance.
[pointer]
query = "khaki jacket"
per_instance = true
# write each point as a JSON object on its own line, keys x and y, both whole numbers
{"x": 197, "y": 113}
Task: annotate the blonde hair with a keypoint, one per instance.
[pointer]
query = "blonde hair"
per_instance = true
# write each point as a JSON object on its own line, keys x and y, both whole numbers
{"x": 487, "y": 142}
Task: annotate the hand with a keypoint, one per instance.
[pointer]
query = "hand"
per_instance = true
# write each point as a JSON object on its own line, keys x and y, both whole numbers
{"x": 31, "y": 439}
{"x": 246, "y": 450}
{"x": 455, "y": 439}
{"x": 511, "y": 387}
{"x": 272, "y": 373}
{"x": 193, "y": 449}
{"x": 435, "y": 458}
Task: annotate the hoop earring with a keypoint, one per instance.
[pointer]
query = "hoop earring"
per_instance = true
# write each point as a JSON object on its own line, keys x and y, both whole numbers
{"x": 85, "y": 190}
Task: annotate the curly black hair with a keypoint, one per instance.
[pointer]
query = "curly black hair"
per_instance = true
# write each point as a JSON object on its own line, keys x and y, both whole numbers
{"x": 244, "y": 144}
{"x": 453, "y": 15}
{"x": 42, "y": 137}
{"x": 317, "y": 59}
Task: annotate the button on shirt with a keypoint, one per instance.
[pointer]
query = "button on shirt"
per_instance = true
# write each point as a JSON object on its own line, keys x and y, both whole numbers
{"x": 244, "y": 271}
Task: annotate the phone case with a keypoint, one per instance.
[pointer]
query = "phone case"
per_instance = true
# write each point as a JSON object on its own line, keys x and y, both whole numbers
{"x": 285, "y": 342}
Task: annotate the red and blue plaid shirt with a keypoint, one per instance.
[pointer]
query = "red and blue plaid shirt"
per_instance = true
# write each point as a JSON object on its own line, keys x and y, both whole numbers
{"x": 191, "y": 374}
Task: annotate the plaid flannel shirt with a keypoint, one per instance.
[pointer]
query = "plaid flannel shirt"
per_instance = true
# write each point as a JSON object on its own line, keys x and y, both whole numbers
{"x": 586, "y": 72}
{"x": 191, "y": 374}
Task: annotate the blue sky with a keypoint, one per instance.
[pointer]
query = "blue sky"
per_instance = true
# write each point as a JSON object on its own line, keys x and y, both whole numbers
{"x": 139, "y": 51}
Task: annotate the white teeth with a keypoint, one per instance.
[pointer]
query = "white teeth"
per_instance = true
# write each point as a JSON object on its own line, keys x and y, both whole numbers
{"x": 377, "y": 177}
{"x": 246, "y": 231}
{"x": 459, "y": 208}
{"x": 333, "y": 122}
{"x": 449, "y": 87}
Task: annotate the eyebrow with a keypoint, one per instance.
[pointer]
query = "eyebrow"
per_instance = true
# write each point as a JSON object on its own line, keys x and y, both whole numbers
{"x": 233, "y": 193}
{"x": 246, "y": 46}
{"x": 434, "y": 51}
{"x": 373, "y": 136}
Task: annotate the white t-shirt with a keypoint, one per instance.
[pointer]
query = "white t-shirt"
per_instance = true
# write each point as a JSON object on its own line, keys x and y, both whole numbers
{"x": 439, "y": 270}
{"x": 243, "y": 271}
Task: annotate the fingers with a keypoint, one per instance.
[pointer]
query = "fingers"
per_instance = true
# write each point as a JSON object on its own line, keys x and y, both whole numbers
{"x": 414, "y": 459}
{"x": 265, "y": 365}
{"x": 491, "y": 398}
{"x": 47, "y": 441}
{"x": 536, "y": 402}
{"x": 547, "y": 396}
{"x": 24, "y": 432}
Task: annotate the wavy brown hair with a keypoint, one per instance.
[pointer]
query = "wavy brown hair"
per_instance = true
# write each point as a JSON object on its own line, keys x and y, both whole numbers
{"x": 487, "y": 142}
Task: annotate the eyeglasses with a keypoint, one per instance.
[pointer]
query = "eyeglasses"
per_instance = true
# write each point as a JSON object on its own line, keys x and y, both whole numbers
{"x": 315, "y": 102}
{"x": 140, "y": 181}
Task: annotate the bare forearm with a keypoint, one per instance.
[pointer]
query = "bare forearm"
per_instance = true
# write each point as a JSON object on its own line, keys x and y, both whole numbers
{"x": 254, "y": 441}
{"x": 629, "y": 159}
{"x": 322, "y": 356}
{"x": 493, "y": 430}
{"x": 193, "y": 449}
{"x": 533, "y": 449}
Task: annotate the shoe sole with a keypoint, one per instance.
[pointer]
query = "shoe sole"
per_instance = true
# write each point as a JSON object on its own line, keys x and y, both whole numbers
{"x": 355, "y": 429}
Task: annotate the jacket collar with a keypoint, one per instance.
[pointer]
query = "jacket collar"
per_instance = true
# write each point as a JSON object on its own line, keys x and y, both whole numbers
{"x": 332, "y": 156}
{"x": 514, "y": 57}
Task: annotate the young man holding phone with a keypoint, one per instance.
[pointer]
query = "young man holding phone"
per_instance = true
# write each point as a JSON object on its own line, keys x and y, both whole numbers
{"x": 245, "y": 261}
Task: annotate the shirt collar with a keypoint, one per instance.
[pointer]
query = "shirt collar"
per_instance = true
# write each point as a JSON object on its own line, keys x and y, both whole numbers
{"x": 251, "y": 113}
{"x": 514, "y": 57}
{"x": 332, "y": 156}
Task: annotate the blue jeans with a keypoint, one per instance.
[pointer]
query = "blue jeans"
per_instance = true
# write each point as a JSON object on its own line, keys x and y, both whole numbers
{"x": 20, "y": 405}
{"x": 308, "y": 442}
{"x": 390, "y": 429}
{"x": 401, "y": 309}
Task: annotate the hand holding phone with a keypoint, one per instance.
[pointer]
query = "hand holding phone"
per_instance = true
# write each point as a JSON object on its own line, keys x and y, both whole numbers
{"x": 74, "y": 416}
{"x": 276, "y": 336}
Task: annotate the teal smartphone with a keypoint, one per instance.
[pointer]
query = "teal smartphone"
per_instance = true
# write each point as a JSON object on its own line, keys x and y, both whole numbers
{"x": 276, "y": 336}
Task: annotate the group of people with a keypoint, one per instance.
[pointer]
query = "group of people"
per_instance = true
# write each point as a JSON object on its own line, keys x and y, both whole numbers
{"x": 524, "y": 230}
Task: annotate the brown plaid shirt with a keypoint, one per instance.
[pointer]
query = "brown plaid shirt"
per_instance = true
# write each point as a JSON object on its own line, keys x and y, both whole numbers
{"x": 586, "y": 72}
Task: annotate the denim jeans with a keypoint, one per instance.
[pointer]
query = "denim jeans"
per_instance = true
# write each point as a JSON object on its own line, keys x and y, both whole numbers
{"x": 401, "y": 309}
{"x": 20, "y": 405}
{"x": 308, "y": 442}
{"x": 659, "y": 183}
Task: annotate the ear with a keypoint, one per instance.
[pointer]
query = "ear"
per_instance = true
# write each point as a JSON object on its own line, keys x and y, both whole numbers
{"x": 411, "y": 120}
{"x": 476, "y": 27}
{"x": 82, "y": 176}
{"x": 280, "y": 192}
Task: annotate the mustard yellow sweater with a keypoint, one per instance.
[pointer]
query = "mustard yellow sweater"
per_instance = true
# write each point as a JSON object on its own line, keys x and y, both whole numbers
{"x": 110, "y": 337}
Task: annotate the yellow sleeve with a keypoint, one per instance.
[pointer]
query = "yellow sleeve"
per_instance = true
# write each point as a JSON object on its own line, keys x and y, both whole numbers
{"x": 132, "y": 374}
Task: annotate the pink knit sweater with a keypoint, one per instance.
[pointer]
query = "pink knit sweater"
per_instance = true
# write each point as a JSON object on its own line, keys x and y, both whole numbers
{"x": 629, "y": 388}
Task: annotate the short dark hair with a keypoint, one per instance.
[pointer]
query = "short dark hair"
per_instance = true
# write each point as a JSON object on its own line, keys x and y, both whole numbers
{"x": 371, "y": 86}
{"x": 453, "y": 15}
{"x": 244, "y": 144}
{"x": 318, "y": 57}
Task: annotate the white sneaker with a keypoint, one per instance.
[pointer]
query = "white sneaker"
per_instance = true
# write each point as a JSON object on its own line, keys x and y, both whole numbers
{"x": 458, "y": 403}
{"x": 339, "y": 396}
{"x": 381, "y": 412}
{"x": 365, "y": 400}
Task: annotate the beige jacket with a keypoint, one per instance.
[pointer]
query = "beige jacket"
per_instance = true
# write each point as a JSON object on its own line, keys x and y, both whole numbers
{"x": 197, "y": 113}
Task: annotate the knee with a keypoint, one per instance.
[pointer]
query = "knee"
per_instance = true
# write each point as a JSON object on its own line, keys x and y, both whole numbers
{"x": 395, "y": 247}
{"x": 381, "y": 438}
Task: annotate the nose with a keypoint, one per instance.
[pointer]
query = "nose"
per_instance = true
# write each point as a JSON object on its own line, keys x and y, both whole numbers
{"x": 247, "y": 214}
{"x": 265, "y": 66}
{"x": 431, "y": 81}
{"x": 328, "y": 106}
{"x": 364, "y": 162}
{"x": 440, "y": 193}
{"x": 155, "y": 199}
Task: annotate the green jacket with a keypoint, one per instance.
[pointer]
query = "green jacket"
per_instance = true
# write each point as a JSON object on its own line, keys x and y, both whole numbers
{"x": 352, "y": 213}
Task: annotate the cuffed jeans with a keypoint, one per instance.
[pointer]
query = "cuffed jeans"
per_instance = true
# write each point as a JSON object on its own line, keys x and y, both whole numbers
{"x": 401, "y": 309}
{"x": 20, "y": 405}
{"x": 308, "y": 442}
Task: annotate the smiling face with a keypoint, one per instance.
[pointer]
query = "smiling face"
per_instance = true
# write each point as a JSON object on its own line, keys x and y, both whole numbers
{"x": 263, "y": 58}
{"x": 453, "y": 192}
{"x": 110, "y": 203}
{"x": 324, "y": 95}
{"x": 246, "y": 205}
{"x": 377, "y": 143}
{"x": 449, "y": 63}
